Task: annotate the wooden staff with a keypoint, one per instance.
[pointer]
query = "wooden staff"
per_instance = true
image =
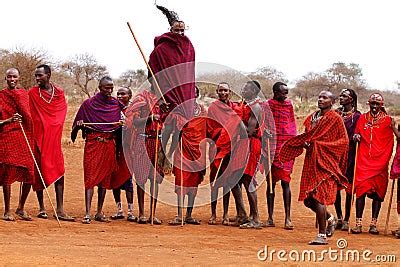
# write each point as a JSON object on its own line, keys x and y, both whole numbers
{"x": 154, "y": 176}
{"x": 352, "y": 186}
{"x": 182, "y": 197}
{"x": 271, "y": 191}
{"x": 216, "y": 175}
{"x": 40, "y": 173}
{"x": 389, "y": 207}
{"x": 147, "y": 64}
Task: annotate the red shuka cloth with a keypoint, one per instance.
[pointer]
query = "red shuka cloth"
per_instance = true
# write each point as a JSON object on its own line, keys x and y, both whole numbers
{"x": 395, "y": 170}
{"x": 193, "y": 136}
{"x": 173, "y": 63}
{"x": 325, "y": 161}
{"x": 285, "y": 128}
{"x": 140, "y": 155}
{"x": 48, "y": 121}
{"x": 374, "y": 152}
{"x": 223, "y": 128}
{"x": 247, "y": 151}
{"x": 99, "y": 161}
{"x": 122, "y": 174}
{"x": 15, "y": 158}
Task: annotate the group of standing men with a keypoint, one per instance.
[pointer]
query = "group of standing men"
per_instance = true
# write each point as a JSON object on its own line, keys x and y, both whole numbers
{"x": 246, "y": 136}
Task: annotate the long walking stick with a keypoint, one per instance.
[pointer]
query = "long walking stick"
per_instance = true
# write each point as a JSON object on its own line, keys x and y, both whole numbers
{"x": 147, "y": 64}
{"x": 352, "y": 186}
{"x": 389, "y": 207}
{"x": 216, "y": 175}
{"x": 40, "y": 174}
{"x": 154, "y": 176}
{"x": 182, "y": 197}
{"x": 271, "y": 191}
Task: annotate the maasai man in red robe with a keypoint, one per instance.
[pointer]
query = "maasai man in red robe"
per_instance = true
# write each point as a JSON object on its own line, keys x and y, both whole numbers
{"x": 123, "y": 178}
{"x": 48, "y": 109}
{"x": 246, "y": 154}
{"x": 189, "y": 163}
{"x": 102, "y": 112}
{"x": 285, "y": 128}
{"x": 350, "y": 115}
{"x": 173, "y": 63}
{"x": 395, "y": 173}
{"x": 326, "y": 142}
{"x": 222, "y": 126}
{"x": 16, "y": 162}
{"x": 375, "y": 134}
{"x": 143, "y": 121}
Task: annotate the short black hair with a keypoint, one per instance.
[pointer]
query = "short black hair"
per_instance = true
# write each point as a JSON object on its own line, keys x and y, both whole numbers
{"x": 277, "y": 85}
{"x": 105, "y": 78}
{"x": 46, "y": 68}
{"x": 128, "y": 89}
{"x": 223, "y": 83}
{"x": 255, "y": 85}
{"x": 353, "y": 95}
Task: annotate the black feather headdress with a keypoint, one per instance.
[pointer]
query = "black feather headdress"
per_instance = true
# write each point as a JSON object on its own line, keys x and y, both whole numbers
{"x": 172, "y": 16}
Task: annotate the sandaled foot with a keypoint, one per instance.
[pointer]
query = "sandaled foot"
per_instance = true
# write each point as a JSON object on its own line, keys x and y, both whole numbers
{"x": 191, "y": 220}
{"x": 233, "y": 219}
{"x": 65, "y": 217}
{"x": 43, "y": 215}
{"x": 142, "y": 220}
{"x": 345, "y": 226}
{"x": 330, "y": 228}
{"x": 251, "y": 225}
{"x": 288, "y": 225}
{"x": 226, "y": 221}
{"x": 319, "y": 240}
{"x": 396, "y": 232}
{"x": 131, "y": 218}
{"x": 23, "y": 215}
{"x": 8, "y": 217}
{"x": 156, "y": 221}
{"x": 212, "y": 221}
{"x": 373, "y": 230}
{"x": 176, "y": 221}
{"x": 86, "y": 219}
{"x": 357, "y": 229}
{"x": 99, "y": 217}
{"x": 118, "y": 216}
{"x": 270, "y": 223}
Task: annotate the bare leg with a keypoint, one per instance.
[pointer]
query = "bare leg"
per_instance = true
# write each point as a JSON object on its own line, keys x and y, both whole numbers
{"x": 360, "y": 204}
{"x": 237, "y": 194}
{"x": 153, "y": 198}
{"x": 7, "y": 198}
{"x": 88, "y": 200}
{"x": 227, "y": 195}
{"x": 117, "y": 195}
{"x": 140, "y": 196}
{"x": 347, "y": 207}
{"x": 214, "y": 197}
{"x": 39, "y": 195}
{"x": 252, "y": 198}
{"x": 287, "y": 199}
{"x": 26, "y": 188}
{"x": 59, "y": 188}
{"x": 189, "y": 209}
{"x": 270, "y": 202}
{"x": 338, "y": 205}
{"x": 101, "y": 195}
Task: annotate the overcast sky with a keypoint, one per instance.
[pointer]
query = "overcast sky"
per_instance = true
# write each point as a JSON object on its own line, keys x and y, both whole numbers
{"x": 294, "y": 36}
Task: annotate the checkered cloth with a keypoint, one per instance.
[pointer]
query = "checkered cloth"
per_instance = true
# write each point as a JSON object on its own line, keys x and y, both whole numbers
{"x": 16, "y": 162}
{"x": 326, "y": 157}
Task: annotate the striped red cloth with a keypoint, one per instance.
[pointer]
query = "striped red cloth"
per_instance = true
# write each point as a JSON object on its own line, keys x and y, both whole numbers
{"x": 16, "y": 162}
{"x": 140, "y": 152}
{"x": 326, "y": 158}
{"x": 99, "y": 161}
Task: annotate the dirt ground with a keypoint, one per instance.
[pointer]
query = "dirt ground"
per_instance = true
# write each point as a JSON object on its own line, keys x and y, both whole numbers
{"x": 122, "y": 243}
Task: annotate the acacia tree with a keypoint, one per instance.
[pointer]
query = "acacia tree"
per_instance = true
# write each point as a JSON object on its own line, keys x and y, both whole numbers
{"x": 132, "y": 79}
{"x": 84, "y": 69}
{"x": 25, "y": 60}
